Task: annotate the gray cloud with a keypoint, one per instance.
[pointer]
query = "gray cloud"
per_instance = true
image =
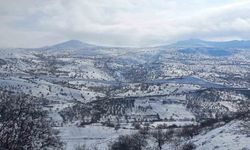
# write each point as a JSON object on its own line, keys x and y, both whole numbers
{"x": 30, "y": 23}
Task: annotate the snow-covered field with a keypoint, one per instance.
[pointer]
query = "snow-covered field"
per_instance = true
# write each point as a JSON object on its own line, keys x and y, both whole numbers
{"x": 93, "y": 136}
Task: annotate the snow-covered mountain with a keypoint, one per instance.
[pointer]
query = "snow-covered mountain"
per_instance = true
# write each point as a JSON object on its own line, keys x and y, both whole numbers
{"x": 201, "y": 43}
{"x": 71, "y": 44}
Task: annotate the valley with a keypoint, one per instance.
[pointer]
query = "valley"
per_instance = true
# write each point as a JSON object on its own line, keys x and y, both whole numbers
{"x": 94, "y": 94}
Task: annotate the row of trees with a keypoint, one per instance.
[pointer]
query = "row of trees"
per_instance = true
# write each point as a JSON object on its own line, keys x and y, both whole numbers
{"x": 140, "y": 140}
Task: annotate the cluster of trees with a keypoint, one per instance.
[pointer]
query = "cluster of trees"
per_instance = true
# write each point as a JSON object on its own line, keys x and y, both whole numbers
{"x": 140, "y": 140}
{"x": 129, "y": 142}
{"x": 94, "y": 111}
{"x": 24, "y": 125}
{"x": 177, "y": 135}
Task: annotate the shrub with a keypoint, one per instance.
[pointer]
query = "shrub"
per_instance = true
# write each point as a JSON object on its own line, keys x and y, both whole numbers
{"x": 129, "y": 142}
{"x": 189, "y": 146}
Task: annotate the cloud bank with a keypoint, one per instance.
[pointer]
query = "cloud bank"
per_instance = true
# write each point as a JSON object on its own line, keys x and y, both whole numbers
{"x": 30, "y": 23}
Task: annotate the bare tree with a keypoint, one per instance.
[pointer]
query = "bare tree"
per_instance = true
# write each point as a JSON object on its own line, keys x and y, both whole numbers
{"x": 24, "y": 125}
{"x": 81, "y": 147}
{"x": 160, "y": 137}
{"x": 189, "y": 131}
{"x": 129, "y": 142}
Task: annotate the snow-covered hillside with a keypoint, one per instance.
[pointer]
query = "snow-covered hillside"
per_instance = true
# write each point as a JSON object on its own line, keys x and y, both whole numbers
{"x": 94, "y": 94}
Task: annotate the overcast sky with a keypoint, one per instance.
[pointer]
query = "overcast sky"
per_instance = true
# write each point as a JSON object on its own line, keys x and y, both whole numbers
{"x": 35, "y": 23}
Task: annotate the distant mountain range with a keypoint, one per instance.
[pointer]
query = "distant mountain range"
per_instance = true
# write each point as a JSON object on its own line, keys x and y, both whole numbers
{"x": 200, "y": 43}
{"x": 191, "y": 43}
{"x": 71, "y": 44}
